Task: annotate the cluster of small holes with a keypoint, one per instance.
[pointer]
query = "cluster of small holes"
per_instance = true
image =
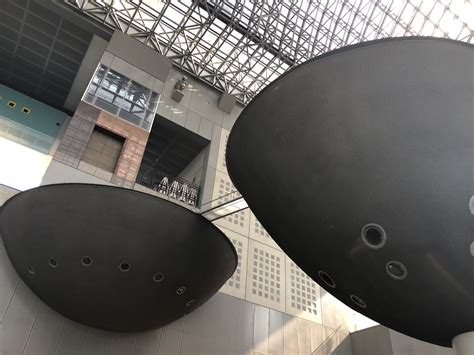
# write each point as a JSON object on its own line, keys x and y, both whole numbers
{"x": 303, "y": 290}
{"x": 258, "y": 229}
{"x": 225, "y": 188}
{"x": 234, "y": 281}
{"x": 266, "y": 275}
{"x": 158, "y": 277}
{"x": 237, "y": 218}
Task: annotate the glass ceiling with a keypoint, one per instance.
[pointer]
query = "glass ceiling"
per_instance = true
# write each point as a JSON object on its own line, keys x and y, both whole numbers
{"x": 242, "y": 46}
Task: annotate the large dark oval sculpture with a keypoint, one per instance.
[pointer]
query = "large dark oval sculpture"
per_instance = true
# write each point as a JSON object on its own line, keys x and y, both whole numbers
{"x": 114, "y": 258}
{"x": 359, "y": 163}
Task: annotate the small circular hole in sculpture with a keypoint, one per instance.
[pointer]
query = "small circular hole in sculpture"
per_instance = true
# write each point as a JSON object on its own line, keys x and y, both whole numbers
{"x": 327, "y": 279}
{"x": 358, "y": 301}
{"x": 158, "y": 277}
{"x": 86, "y": 261}
{"x": 31, "y": 270}
{"x": 53, "y": 262}
{"x": 124, "y": 267}
{"x": 373, "y": 236}
{"x": 396, "y": 270}
{"x": 181, "y": 290}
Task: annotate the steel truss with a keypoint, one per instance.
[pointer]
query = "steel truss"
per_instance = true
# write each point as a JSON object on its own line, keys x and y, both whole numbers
{"x": 241, "y": 46}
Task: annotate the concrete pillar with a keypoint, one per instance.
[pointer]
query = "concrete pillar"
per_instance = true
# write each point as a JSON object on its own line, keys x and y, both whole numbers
{"x": 464, "y": 344}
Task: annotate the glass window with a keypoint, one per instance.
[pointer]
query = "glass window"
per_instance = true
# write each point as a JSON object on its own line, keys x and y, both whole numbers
{"x": 117, "y": 94}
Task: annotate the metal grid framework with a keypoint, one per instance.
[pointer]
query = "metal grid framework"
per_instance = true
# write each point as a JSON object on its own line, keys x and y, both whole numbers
{"x": 241, "y": 46}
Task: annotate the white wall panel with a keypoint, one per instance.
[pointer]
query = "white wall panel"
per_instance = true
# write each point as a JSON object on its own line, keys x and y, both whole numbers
{"x": 266, "y": 276}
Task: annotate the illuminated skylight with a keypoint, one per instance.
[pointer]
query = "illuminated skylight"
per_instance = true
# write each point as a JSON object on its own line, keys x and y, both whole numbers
{"x": 242, "y": 46}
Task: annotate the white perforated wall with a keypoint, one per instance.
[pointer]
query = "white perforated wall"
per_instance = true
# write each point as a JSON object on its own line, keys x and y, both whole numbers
{"x": 266, "y": 276}
{"x": 235, "y": 286}
{"x": 239, "y": 221}
{"x": 303, "y": 295}
{"x": 257, "y": 232}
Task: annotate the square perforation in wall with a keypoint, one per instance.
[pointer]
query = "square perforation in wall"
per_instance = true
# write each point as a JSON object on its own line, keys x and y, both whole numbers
{"x": 303, "y": 295}
{"x": 258, "y": 232}
{"x": 235, "y": 286}
{"x": 266, "y": 276}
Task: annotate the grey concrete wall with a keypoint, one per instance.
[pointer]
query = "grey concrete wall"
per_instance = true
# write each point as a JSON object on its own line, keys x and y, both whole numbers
{"x": 384, "y": 341}
{"x": 86, "y": 71}
{"x": 58, "y": 173}
{"x": 195, "y": 167}
{"x": 402, "y": 344}
{"x": 139, "y": 55}
{"x": 5, "y": 193}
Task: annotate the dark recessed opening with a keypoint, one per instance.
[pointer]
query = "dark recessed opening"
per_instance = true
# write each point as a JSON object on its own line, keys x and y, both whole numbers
{"x": 327, "y": 279}
{"x": 158, "y": 277}
{"x": 103, "y": 149}
{"x": 53, "y": 262}
{"x": 190, "y": 303}
{"x": 396, "y": 270}
{"x": 31, "y": 270}
{"x": 358, "y": 301}
{"x": 374, "y": 236}
{"x": 86, "y": 261}
{"x": 124, "y": 267}
{"x": 175, "y": 153}
{"x": 181, "y": 290}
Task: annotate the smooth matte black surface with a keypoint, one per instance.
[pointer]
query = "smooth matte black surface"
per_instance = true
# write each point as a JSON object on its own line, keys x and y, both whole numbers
{"x": 75, "y": 224}
{"x": 375, "y": 133}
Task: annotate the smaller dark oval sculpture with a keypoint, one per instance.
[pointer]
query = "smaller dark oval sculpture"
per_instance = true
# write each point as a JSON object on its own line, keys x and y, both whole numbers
{"x": 114, "y": 258}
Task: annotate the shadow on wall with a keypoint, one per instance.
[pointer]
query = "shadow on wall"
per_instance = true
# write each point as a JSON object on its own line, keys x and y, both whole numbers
{"x": 332, "y": 345}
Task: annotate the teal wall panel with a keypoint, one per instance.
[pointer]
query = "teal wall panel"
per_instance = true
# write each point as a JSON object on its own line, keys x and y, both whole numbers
{"x": 41, "y": 118}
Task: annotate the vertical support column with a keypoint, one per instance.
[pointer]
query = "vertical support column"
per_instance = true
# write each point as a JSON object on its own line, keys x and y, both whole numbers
{"x": 464, "y": 344}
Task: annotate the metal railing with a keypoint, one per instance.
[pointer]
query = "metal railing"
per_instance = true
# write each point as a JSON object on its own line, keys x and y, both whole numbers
{"x": 174, "y": 187}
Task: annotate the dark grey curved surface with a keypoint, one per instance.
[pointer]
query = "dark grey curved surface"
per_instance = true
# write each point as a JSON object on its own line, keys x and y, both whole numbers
{"x": 113, "y": 225}
{"x": 376, "y": 133}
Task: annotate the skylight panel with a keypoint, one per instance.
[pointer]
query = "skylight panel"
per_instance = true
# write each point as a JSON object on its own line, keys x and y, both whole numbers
{"x": 290, "y": 31}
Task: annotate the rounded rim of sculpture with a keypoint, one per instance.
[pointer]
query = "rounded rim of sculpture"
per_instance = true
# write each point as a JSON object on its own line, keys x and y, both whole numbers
{"x": 186, "y": 210}
{"x": 342, "y": 50}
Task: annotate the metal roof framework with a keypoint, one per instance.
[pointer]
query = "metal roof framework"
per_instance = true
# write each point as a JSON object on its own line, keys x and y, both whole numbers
{"x": 241, "y": 46}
